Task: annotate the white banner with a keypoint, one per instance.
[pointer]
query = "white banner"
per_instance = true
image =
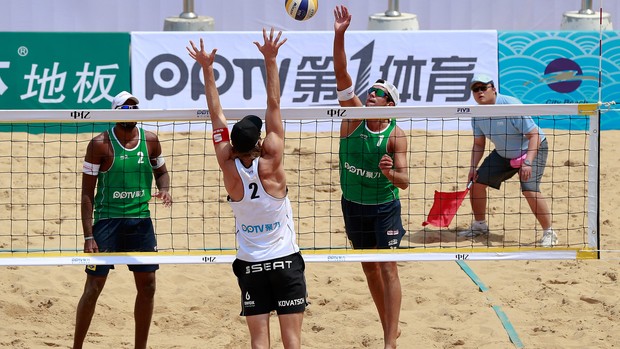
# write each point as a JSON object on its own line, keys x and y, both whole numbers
{"x": 428, "y": 67}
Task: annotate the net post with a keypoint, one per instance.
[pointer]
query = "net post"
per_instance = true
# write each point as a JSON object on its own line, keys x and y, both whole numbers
{"x": 594, "y": 187}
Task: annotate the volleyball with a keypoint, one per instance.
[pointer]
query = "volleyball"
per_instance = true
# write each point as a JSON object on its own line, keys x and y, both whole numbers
{"x": 301, "y": 10}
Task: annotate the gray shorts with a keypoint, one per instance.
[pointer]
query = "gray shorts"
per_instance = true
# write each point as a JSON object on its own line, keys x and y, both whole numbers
{"x": 495, "y": 169}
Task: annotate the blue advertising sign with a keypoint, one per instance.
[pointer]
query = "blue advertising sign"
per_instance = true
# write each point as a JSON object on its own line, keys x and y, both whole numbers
{"x": 555, "y": 67}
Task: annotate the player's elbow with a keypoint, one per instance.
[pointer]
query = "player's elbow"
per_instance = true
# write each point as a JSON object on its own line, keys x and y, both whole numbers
{"x": 401, "y": 182}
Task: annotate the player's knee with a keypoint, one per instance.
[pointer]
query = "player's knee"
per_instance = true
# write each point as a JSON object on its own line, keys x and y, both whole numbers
{"x": 146, "y": 293}
{"x": 146, "y": 285}
{"x": 371, "y": 269}
{"x": 147, "y": 289}
{"x": 389, "y": 270}
{"x": 94, "y": 285}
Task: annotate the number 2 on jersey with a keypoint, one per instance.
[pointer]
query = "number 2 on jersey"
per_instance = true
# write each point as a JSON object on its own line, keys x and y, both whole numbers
{"x": 254, "y": 188}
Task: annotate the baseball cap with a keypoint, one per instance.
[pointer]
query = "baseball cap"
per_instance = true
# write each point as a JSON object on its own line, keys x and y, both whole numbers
{"x": 246, "y": 133}
{"x": 123, "y": 97}
{"x": 481, "y": 78}
{"x": 391, "y": 89}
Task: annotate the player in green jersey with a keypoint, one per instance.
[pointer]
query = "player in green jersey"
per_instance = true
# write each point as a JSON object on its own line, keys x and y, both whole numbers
{"x": 121, "y": 163}
{"x": 373, "y": 166}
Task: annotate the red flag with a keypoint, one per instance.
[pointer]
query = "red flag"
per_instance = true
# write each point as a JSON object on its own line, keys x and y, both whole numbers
{"x": 444, "y": 207}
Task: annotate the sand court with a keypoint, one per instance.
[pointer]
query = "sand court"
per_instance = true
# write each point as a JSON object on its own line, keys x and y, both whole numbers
{"x": 550, "y": 304}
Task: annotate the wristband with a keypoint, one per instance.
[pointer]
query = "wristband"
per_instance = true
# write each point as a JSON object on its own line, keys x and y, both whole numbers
{"x": 346, "y": 94}
{"x": 220, "y": 135}
{"x": 89, "y": 238}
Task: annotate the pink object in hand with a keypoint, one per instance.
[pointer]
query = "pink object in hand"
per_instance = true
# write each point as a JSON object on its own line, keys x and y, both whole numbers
{"x": 517, "y": 162}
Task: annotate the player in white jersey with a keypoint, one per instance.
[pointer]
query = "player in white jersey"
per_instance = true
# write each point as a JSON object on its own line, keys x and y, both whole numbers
{"x": 264, "y": 223}
{"x": 269, "y": 267}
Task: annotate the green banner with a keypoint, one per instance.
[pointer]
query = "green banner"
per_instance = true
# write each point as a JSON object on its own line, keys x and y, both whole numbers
{"x": 62, "y": 70}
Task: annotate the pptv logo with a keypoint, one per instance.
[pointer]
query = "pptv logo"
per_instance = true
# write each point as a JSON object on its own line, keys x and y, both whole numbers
{"x": 564, "y": 75}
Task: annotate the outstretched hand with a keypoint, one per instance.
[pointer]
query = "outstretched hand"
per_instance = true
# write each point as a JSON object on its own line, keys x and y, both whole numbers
{"x": 342, "y": 18}
{"x": 271, "y": 46}
{"x": 202, "y": 57}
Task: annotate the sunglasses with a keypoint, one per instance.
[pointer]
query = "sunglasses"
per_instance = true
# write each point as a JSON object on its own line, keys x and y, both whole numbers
{"x": 378, "y": 92}
{"x": 127, "y": 107}
{"x": 480, "y": 88}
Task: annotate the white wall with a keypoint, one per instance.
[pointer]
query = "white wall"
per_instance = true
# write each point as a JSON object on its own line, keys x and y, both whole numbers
{"x": 252, "y": 15}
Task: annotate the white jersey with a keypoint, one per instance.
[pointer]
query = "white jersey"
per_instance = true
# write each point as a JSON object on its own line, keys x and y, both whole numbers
{"x": 264, "y": 224}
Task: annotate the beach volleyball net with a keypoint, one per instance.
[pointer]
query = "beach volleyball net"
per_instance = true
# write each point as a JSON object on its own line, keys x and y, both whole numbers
{"x": 41, "y": 174}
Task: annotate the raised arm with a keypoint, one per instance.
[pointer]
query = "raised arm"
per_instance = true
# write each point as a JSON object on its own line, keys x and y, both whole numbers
{"x": 342, "y": 19}
{"x": 344, "y": 83}
{"x": 274, "y": 139}
{"x": 223, "y": 149}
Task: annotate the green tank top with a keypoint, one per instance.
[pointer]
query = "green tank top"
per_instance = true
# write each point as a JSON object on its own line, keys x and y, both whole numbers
{"x": 361, "y": 179}
{"x": 124, "y": 190}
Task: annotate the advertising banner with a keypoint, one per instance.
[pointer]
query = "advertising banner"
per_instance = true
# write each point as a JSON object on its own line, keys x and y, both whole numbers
{"x": 428, "y": 67}
{"x": 62, "y": 70}
{"x": 561, "y": 67}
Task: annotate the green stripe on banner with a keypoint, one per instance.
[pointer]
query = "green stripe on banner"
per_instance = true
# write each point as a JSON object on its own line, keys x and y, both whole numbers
{"x": 514, "y": 338}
